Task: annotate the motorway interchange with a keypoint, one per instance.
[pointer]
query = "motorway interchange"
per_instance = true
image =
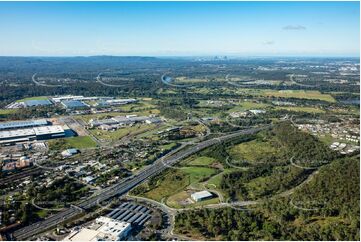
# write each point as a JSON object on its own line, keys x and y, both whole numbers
{"x": 124, "y": 186}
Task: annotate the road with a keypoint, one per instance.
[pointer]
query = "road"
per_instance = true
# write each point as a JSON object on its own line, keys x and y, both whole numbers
{"x": 99, "y": 79}
{"x": 123, "y": 187}
{"x": 42, "y": 84}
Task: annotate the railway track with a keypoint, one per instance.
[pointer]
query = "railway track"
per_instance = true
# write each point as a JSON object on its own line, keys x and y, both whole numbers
{"x": 123, "y": 187}
{"x": 20, "y": 175}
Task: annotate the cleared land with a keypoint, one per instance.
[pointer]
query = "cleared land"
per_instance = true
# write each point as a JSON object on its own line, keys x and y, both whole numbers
{"x": 79, "y": 142}
{"x": 301, "y": 109}
{"x": 252, "y": 151}
{"x": 299, "y": 94}
{"x": 33, "y": 98}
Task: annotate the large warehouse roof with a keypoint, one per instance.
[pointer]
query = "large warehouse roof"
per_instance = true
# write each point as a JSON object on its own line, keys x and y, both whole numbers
{"x": 44, "y": 130}
{"x": 34, "y": 103}
{"x": 73, "y": 104}
{"x": 22, "y": 124}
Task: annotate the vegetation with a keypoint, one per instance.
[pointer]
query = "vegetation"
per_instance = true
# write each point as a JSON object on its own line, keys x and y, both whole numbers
{"x": 337, "y": 218}
{"x": 78, "y": 142}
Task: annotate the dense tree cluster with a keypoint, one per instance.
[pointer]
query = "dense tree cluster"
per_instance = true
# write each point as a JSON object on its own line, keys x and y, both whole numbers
{"x": 338, "y": 218}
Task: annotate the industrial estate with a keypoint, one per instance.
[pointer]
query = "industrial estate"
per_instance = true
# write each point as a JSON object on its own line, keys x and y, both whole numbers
{"x": 181, "y": 121}
{"x": 176, "y": 159}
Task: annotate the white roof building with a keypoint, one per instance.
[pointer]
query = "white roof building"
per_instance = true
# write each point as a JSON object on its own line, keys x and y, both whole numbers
{"x": 200, "y": 196}
{"x": 104, "y": 229}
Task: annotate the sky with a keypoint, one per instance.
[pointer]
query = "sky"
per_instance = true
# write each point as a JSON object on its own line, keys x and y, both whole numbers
{"x": 180, "y": 28}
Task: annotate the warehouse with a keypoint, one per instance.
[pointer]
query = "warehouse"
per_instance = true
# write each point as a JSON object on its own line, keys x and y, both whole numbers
{"x": 23, "y": 124}
{"x": 74, "y": 104}
{"x": 36, "y": 133}
{"x": 201, "y": 196}
{"x": 36, "y": 103}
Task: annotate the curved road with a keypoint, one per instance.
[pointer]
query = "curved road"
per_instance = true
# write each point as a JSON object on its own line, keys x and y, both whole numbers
{"x": 123, "y": 187}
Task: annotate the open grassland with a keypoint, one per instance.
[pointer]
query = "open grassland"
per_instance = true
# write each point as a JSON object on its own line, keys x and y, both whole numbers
{"x": 201, "y": 161}
{"x": 244, "y": 106}
{"x": 176, "y": 181}
{"x": 316, "y": 95}
{"x": 170, "y": 183}
{"x": 197, "y": 174}
{"x": 7, "y": 111}
{"x": 215, "y": 181}
{"x": 252, "y": 151}
{"x": 121, "y": 132}
{"x": 78, "y": 142}
{"x": 302, "y": 109}
{"x": 33, "y": 98}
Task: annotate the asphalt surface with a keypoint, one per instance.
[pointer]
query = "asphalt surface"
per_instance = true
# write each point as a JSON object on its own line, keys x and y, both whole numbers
{"x": 123, "y": 187}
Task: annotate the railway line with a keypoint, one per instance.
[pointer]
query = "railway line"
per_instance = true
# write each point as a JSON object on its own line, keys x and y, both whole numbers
{"x": 123, "y": 187}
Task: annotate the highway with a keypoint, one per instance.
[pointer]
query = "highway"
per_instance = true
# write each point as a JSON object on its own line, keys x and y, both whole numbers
{"x": 124, "y": 186}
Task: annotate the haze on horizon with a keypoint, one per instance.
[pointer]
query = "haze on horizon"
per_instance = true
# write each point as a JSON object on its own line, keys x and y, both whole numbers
{"x": 180, "y": 28}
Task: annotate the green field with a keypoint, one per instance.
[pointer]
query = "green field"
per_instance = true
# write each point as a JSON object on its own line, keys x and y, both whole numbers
{"x": 78, "y": 142}
{"x": 299, "y": 94}
{"x": 169, "y": 184}
{"x": 201, "y": 161}
{"x": 33, "y": 98}
{"x": 252, "y": 151}
{"x": 7, "y": 111}
{"x": 244, "y": 106}
{"x": 197, "y": 174}
{"x": 301, "y": 109}
{"x": 121, "y": 132}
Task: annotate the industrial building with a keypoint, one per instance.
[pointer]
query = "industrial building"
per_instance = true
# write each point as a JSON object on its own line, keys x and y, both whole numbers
{"x": 36, "y": 133}
{"x": 77, "y": 98}
{"x": 201, "y": 196}
{"x": 104, "y": 229}
{"x": 74, "y": 104}
{"x": 23, "y": 124}
{"x": 123, "y": 120}
{"x": 36, "y": 103}
{"x": 114, "y": 102}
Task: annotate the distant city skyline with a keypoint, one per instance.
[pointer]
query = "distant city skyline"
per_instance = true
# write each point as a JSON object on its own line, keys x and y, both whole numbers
{"x": 180, "y": 28}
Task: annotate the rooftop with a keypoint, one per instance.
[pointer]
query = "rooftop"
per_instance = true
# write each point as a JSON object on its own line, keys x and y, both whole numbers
{"x": 34, "y": 103}
{"x": 22, "y": 124}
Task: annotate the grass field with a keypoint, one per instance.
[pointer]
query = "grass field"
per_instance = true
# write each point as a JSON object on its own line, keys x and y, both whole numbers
{"x": 171, "y": 183}
{"x": 316, "y": 95}
{"x": 120, "y": 133}
{"x": 252, "y": 150}
{"x": 197, "y": 174}
{"x": 176, "y": 181}
{"x": 32, "y": 98}
{"x": 301, "y": 109}
{"x": 7, "y": 111}
{"x": 201, "y": 161}
{"x": 243, "y": 106}
{"x": 215, "y": 181}
{"x": 78, "y": 142}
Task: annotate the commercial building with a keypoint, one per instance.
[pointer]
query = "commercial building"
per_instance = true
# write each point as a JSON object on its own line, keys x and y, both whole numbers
{"x": 104, "y": 229}
{"x": 74, "y": 104}
{"x": 36, "y": 133}
{"x": 115, "y": 102}
{"x": 35, "y": 103}
{"x": 23, "y": 124}
{"x": 201, "y": 196}
{"x": 122, "y": 120}
{"x": 77, "y": 98}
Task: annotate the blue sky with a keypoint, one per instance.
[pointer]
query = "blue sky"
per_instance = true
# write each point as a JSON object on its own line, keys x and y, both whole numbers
{"x": 180, "y": 28}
